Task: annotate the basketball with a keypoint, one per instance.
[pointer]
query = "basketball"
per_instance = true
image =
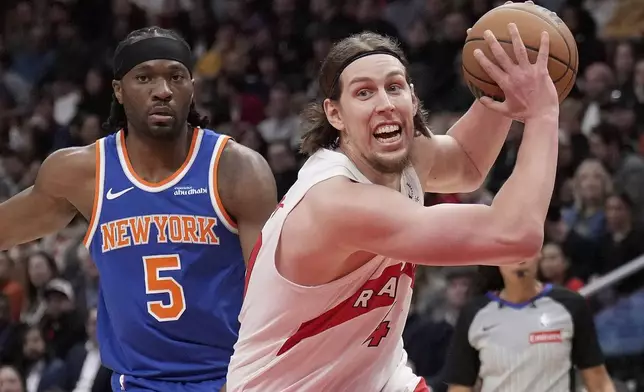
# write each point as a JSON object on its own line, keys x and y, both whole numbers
{"x": 531, "y": 20}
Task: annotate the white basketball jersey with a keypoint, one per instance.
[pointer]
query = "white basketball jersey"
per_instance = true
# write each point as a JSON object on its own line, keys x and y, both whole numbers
{"x": 342, "y": 336}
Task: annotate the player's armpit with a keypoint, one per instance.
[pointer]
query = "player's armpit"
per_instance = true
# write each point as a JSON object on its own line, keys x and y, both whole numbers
{"x": 43, "y": 208}
{"x": 596, "y": 379}
{"x": 460, "y": 161}
{"x": 443, "y": 166}
{"x": 372, "y": 218}
{"x": 248, "y": 192}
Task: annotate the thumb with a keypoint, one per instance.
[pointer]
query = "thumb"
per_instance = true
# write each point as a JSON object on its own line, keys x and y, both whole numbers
{"x": 491, "y": 104}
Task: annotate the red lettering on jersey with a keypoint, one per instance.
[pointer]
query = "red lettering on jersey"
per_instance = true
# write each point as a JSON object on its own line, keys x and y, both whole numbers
{"x": 378, "y": 334}
{"x": 374, "y": 294}
{"x": 546, "y": 337}
{"x": 251, "y": 261}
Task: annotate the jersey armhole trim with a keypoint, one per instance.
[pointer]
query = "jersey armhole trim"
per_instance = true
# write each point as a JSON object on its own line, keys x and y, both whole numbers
{"x": 223, "y": 216}
{"x": 98, "y": 193}
{"x": 338, "y": 171}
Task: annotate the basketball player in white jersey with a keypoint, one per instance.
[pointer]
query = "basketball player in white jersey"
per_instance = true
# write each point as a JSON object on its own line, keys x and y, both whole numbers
{"x": 330, "y": 286}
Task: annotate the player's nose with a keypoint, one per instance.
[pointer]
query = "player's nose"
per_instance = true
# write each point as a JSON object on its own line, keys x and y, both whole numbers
{"x": 383, "y": 102}
{"x": 161, "y": 91}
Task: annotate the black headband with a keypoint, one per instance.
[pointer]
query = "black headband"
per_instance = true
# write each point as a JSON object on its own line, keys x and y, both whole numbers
{"x": 153, "y": 48}
{"x": 354, "y": 58}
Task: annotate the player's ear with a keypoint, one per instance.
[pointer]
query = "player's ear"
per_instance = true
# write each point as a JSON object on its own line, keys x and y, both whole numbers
{"x": 414, "y": 98}
{"x": 116, "y": 86}
{"x": 333, "y": 114}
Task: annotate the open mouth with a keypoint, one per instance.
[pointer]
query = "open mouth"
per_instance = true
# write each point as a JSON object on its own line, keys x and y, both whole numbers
{"x": 390, "y": 133}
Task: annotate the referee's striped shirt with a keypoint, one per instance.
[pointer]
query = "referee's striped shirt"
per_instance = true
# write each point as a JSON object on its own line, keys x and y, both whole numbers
{"x": 528, "y": 347}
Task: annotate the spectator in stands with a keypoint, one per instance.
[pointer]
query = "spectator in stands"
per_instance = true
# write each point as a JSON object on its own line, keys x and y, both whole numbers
{"x": 369, "y": 17}
{"x": 10, "y": 379}
{"x": 581, "y": 251}
{"x": 40, "y": 368}
{"x": 62, "y": 324}
{"x": 84, "y": 370}
{"x": 623, "y": 242}
{"x": 87, "y": 285}
{"x": 41, "y": 269}
{"x": 10, "y": 287}
{"x": 597, "y": 85}
{"x": 9, "y": 335}
{"x": 427, "y": 337}
{"x": 282, "y": 161}
{"x": 592, "y": 184}
{"x": 623, "y": 62}
{"x": 554, "y": 267}
{"x": 280, "y": 125}
{"x": 626, "y": 166}
{"x": 638, "y": 91}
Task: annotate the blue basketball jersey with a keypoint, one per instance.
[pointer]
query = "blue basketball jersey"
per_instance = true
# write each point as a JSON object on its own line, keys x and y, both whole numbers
{"x": 171, "y": 266}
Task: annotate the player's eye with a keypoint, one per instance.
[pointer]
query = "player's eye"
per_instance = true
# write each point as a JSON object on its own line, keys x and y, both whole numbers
{"x": 142, "y": 78}
{"x": 394, "y": 87}
{"x": 364, "y": 93}
{"x": 177, "y": 77}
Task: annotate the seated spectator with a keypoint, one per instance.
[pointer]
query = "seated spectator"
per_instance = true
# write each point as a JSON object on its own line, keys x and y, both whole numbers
{"x": 592, "y": 184}
{"x": 9, "y": 334}
{"x": 9, "y": 287}
{"x": 580, "y": 251}
{"x": 623, "y": 242}
{"x": 427, "y": 336}
{"x": 41, "y": 370}
{"x": 284, "y": 165}
{"x": 10, "y": 380}
{"x": 626, "y": 166}
{"x": 62, "y": 324}
{"x": 41, "y": 268}
{"x": 84, "y": 370}
{"x": 555, "y": 268}
{"x": 281, "y": 125}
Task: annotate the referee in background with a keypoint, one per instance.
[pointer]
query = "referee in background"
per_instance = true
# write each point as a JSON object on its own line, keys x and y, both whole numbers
{"x": 524, "y": 336}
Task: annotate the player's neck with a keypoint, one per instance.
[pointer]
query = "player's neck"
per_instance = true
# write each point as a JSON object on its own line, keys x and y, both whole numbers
{"x": 390, "y": 180}
{"x": 153, "y": 158}
{"x": 521, "y": 291}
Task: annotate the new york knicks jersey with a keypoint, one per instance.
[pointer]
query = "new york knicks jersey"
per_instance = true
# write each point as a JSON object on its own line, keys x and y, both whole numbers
{"x": 170, "y": 263}
{"x": 342, "y": 336}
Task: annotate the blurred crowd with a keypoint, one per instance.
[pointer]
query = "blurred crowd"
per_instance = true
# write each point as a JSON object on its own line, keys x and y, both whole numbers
{"x": 256, "y": 67}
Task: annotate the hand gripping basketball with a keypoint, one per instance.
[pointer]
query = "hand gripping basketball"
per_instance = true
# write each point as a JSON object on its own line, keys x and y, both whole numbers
{"x": 528, "y": 88}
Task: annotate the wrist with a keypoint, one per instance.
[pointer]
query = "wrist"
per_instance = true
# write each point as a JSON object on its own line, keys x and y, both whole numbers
{"x": 547, "y": 115}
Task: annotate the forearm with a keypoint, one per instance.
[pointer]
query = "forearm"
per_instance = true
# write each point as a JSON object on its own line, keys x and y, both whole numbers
{"x": 528, "y": 191}
{"x": 481, "y": 133}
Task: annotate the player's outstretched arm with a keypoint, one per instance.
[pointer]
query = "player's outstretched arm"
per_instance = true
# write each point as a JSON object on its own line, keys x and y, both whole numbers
{"x": 360, "y": 217}
{"x": 44, "y": 208}
{"x": 250, "y": 194}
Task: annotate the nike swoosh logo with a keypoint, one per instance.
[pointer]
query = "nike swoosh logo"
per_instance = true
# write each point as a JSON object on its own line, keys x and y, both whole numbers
{"x": 112, "y": 196}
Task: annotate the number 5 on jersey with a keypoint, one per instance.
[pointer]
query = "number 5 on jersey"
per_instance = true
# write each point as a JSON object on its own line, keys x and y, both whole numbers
{"x": 157, "y": 284}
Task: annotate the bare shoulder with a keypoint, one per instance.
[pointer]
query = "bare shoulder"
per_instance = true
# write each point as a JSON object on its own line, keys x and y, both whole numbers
{"x": 66, "y": 169}
{"x": 347, "y": 203}
{"x": 244, "y": 179}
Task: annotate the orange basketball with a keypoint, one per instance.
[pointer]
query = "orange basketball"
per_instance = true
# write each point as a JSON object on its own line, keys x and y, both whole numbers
{"x": 531, "y": 20}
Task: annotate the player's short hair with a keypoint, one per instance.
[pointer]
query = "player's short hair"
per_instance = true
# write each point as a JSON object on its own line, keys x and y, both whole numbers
{"x": 117, "y": 119}
{"x": 317, "y": 131}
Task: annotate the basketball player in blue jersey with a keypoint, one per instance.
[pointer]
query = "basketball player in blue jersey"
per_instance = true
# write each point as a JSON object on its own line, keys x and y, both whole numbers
{"x": 174, "y": 211}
